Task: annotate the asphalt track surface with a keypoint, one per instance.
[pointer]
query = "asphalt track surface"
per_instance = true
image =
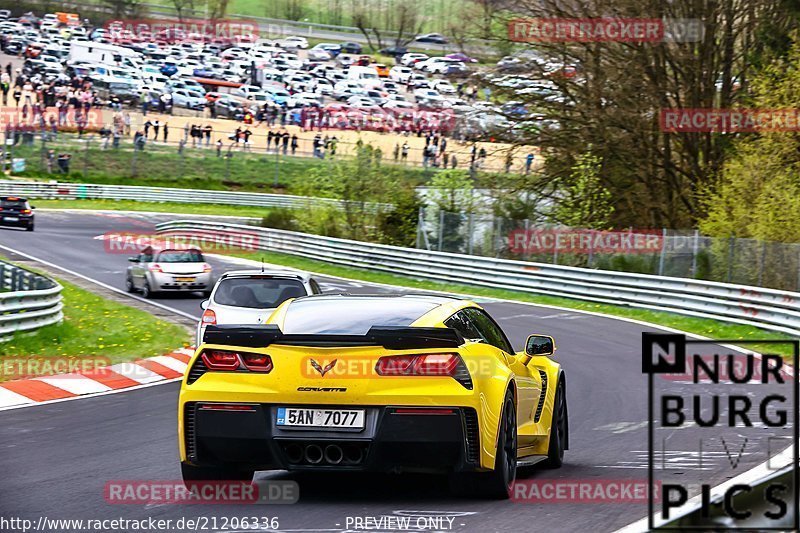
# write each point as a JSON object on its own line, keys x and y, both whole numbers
{"x": 55, "y": 459}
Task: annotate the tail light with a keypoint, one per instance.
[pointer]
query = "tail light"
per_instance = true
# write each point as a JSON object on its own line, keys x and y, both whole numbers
{"x": 206, "y": 267}
{"x": 209, "y": 317}
{"x": 155, "y": 268}
{"x": 26, "y": 211}
{"x": 257, "y": 362}
{"x": 221, "y": 360}
{"x": 434, "y": 364}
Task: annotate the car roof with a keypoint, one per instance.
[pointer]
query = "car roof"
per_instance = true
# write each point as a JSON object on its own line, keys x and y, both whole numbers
{"x": 276, "y": 273}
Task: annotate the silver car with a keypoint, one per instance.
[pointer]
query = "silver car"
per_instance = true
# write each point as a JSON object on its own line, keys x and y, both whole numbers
{"x": 155, "y": 270}
{"x": 250, "y": 296}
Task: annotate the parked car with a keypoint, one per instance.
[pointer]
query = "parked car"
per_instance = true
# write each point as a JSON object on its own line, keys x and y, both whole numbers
{"x": 155, "y": 270}
{"x": 396, "y": 51}
{"x": 250, "y": 296}
{"x": 351, "y": 48}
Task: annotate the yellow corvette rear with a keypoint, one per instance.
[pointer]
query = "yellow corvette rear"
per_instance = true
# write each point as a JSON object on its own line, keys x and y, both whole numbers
{"x": 364, "y": 383}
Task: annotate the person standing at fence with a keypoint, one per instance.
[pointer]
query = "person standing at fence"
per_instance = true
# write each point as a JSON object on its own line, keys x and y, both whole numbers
{"x": 294, "y": 143}
{"x": 404, "y": 152}
{"x": 246, "y": 135}
{"x": 147, "y": 125}
{"x": 219, "y": 147}
{"x": 207, "y": 129}
{"x": 156, "y": 127}
{"x": 528, "y": 163}
{"x": 270, "y": 136}
{"x": 396, "y": 152}
{"x": 166, "y": 132}
{"x": 144, "y": 97}
{"x": 285, "y": 137}
{"x": 453, "y": 161}
{"x": 126, "y": 120}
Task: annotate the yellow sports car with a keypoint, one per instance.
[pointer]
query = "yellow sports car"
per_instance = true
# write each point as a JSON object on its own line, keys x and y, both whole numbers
{"x": 376, "y": 383}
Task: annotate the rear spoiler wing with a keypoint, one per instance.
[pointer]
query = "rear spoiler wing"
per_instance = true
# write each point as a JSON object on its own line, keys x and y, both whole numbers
{"x": 390, "y": 337}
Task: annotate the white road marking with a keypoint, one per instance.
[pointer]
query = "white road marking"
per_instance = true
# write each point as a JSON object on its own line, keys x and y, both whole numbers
{"x": 169, "y": 362}
{"x": 9, "y": 398}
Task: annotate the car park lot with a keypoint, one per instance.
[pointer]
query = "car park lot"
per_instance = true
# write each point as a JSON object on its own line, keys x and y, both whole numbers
{"x": 120, "y": 68}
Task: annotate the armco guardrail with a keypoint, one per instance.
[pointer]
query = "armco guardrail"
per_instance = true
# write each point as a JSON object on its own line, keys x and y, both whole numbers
{"x": 32, "y": 301}
{"x": 90, "y": 191}
{"x": 766, "y": 308}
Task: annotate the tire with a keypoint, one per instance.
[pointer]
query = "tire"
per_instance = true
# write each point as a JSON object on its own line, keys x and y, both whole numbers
{"x": 147, "y": 292}
{"x": 498, "y": 483}
{"x": 559, "y": 430}
{"x": 129, "y": 284}
{"x": 29, "y": 227}
{"x": 192, "y": 474}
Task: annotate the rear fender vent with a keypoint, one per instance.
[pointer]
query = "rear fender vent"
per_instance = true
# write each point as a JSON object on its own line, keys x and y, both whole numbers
{"x": 471, "y": 434}
{"x": 198, "y": 369}
{"x": 189, "y": 438}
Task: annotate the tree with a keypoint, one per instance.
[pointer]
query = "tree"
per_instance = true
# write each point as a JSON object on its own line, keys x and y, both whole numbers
{"x": 609, "y": 95}
{"x": 181, "y": 6}
{"x": 409, "y": 25}
{"x": 759, "y": 192}
{"x": 585, "y": 203}
{"x": 123, "y": 8}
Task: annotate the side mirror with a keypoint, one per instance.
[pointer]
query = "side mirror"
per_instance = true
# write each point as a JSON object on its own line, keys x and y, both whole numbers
{"x": 133, "y": 259}
{"x": 204, "y": 304}
{"x": 540, "y": 345}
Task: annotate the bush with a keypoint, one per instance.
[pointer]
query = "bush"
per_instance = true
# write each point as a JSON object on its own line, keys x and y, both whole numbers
{"x": 281, "y": 218}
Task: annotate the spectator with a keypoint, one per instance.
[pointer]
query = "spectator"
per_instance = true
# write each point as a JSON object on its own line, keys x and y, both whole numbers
{"x": 453, "y": 161}
{"x": 219, "y": 147}
{"x": 207, "y": 130}
{"x": 404, "y": 152}
{"x": 285, "y": 142}
{"x": 294, "y": 143}
{"x": 166, "y": 132}
{"x": 396, "y": 152}
{"x": 528, "y": 163}
{"x": 246, "y": 136}
{"x": 147, "y": 125}
{"x": 156, "y": 126}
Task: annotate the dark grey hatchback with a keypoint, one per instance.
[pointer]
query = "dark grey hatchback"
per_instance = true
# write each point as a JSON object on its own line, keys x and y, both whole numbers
{"x": 16, "y": 211}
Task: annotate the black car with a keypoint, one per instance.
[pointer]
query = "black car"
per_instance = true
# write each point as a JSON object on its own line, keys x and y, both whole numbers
{"x": 351, "y": 48}
{"x": 16, "y": 211}
{"x": 396, "y": 51}
{"x": 434, "y": 38}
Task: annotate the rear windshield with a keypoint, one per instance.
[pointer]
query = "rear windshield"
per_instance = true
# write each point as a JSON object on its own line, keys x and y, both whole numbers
{"x": 180, "y": 256}
{"x": 337, "y": 316}
{"x": 257, "y": 293}
{"x": 13, "y": 204}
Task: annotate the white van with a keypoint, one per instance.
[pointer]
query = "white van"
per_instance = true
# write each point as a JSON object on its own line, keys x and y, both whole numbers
{"x": 365, "y": 76}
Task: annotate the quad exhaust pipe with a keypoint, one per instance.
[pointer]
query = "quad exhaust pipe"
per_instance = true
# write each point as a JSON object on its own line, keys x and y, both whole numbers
{"x": 331, "y": 454}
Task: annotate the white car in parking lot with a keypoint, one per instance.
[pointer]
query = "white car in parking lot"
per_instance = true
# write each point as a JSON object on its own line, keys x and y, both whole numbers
{"x": 250, "y": 296}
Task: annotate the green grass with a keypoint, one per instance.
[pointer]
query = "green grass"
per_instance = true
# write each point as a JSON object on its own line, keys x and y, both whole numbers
{"x": 699, "y": 326}
{"x": 94, "y": 327}
{"x": 163, "y": 207}
{"x": 197, "y": 169}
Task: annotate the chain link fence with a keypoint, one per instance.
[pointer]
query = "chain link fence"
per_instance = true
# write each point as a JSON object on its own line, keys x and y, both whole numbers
{"x": 675, "y": 253}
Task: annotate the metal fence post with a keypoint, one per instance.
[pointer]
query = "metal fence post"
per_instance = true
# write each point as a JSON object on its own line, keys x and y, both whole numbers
{"x": 526, "y": 253}
{"x": 695, "y": 246}
{"x": 441, "y": 228}
{"x": 731, "y": 252}
{"x": 470, "y": 230}
{"x": 761, "y": 261}
{"x": 277, "y": 168}
{"x": 86, "y": 158}
{"x": 420, "y": 214}
{"x": 662, "y": 258}
{"x": 590, "y": 260}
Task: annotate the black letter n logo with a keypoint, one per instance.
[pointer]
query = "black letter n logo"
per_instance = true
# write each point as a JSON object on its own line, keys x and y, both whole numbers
{"x": 663, "y": 353}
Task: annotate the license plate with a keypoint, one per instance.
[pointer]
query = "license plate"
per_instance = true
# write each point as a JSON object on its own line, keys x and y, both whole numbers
{"x": 11, "y": 219}
{"x": 184, "y": 279}
{"x": 323, "y": 418}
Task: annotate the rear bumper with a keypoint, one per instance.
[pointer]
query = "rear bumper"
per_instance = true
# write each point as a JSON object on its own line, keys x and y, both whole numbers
{"x": 421, "y": 440}
{"x": 171, "y": 282}
{"x": 22, "y": 221}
